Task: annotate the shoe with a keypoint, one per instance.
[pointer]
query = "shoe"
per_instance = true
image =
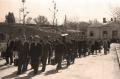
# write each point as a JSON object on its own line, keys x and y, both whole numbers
{"x": 10, "y": 63}
{"x": 23, "y": 71}
{"x": 35, "y": 73}
{"x": 18, "y": 73}
{"x": 56, "y": 71}
{"x": 43, "y": 70}
{"x": 6, "y": 63}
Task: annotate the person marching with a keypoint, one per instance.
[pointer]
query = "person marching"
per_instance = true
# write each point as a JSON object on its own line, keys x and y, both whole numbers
{"x": 9, "y": 52}
{"x": 45, "y": 53}
{"x": 35, "y": 53}
{"x": 105, "y": 46}
{"x": 23, "y": 50}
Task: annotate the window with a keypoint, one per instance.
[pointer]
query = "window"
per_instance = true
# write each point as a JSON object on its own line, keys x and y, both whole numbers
{"x": 83, "y": 33}
{"x": 105, "y": 32}
{"x": 91, "y": 34}
{"x": 2, "y": 36}
{"x": 114, "y": 34}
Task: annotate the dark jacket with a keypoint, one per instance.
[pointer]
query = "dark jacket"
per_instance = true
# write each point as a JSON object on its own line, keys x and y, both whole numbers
{"x": 9, "y": 50}
{"x": 59, "y": 50}
{"x": 25, "y": 50}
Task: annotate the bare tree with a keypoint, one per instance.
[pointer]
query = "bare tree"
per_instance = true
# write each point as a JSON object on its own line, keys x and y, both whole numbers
{"x": 28, "y": 20}
{"x": 95, "y": 21}
{"x": 116, "y": 13}
{"x": 41, "y": 20}
{"x": 83, "y": 26}
{"x": 71, "y": 25}
{"x": 10, "y": 18}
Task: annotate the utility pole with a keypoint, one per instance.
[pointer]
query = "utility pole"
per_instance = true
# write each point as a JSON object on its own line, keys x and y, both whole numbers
{"x": 19, "y": 15}
{"x": 23, "y": 2}
{"x": 23, "y": 11}
{"x": 24, "y": 14}
{"x": 55, "y": 10}
{"x": 65, "y": 22}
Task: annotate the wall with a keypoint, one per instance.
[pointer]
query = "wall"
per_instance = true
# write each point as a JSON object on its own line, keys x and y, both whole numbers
{"x": 98, "y": 31}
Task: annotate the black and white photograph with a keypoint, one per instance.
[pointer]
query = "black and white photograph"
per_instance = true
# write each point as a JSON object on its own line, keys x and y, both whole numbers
{"x": 59, "y": 39}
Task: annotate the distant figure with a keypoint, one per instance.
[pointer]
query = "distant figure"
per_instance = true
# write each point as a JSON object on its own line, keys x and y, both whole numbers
{"x": 80, "y": 48}
{"x": 100, "y": 46}
{"x": 105, "y": 46}
{"x": 96, "y": 46}
{"x": 108, "y": 46}
{"x": 85, "y": 48}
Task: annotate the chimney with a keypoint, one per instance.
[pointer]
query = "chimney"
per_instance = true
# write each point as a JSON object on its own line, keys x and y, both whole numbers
{"x": 104, "y": 20}
{"x": 111, "y": 19}
{"x": 115, "y": 19}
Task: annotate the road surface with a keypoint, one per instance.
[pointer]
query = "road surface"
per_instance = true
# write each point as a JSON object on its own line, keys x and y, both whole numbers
{"x": 91, "y": 67}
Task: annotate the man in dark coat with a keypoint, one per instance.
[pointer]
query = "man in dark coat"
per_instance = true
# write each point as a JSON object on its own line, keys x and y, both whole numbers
{"x": 85, "y": 48}
{"x": 72, "y": 53}
{"x": 80, "y": 48}
{"x": 32, "y": 50}
{"x": 35, "y": 53}
{"x": 9, "y": 52}
{"x": 92, "y": 48}
{"x": 25, "y": 56}
{"x": 108, "y": 45}
{"x": 45, "y": 53}
{"x": 96, "y": 46}
{"x": 105, "y": 46}
{"x": 59, "y": 52}
{"x": 50, "y": 53}
{"x": 69, "y": 53}
{"x": 20, "y": 56}
{"x": 74, "y": 47}
{"x": 23, "y": 51}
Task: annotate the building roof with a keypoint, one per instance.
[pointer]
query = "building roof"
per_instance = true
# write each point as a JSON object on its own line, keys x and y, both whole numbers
{"x": 74, "y": 31}
{"x": 96, "y": 25}
{"x": 109, "y": 24}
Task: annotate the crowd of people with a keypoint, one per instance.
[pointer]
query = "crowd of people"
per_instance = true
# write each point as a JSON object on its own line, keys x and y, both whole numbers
{"x": 36, "y": 52}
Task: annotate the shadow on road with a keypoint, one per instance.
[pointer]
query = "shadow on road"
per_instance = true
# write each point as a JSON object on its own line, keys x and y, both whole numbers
{"x": 30, "y": 75}
{"x": 51, "y": 72}
{"x": 6, "y": 67}
{"x": 25, "y": 77}
{"x": 65, "y": 67}
{"x": 54, "y": 71}
{"x": 2, "y": 65}
{"x": 10, "y": 76}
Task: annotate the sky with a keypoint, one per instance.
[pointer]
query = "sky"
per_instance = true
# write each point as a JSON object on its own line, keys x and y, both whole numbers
{"x": 75, "y": 10}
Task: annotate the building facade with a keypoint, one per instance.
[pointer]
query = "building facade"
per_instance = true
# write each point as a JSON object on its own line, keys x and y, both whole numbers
{"x": 109, "y": 31}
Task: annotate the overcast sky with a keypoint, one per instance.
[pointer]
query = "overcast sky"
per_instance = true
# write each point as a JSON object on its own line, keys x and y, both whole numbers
{"x": 78, "y": 10}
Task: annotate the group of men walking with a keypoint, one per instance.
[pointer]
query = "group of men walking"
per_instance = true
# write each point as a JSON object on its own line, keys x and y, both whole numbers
{"x": 43, "y": 52}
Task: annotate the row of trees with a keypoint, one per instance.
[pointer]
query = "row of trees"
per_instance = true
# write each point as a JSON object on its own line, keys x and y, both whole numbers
{"x": 10, "y": 18}
{"x": 40, "y": 20}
